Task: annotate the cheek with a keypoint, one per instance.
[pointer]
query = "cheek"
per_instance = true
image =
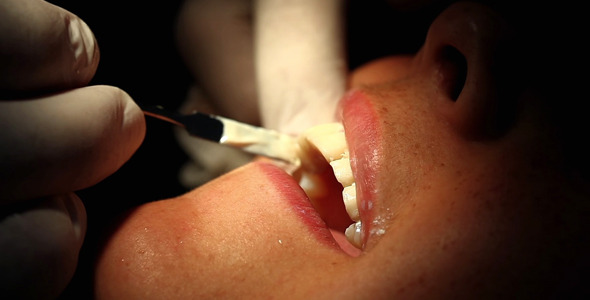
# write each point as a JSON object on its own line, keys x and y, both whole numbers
{"x": 445, "y": 238}
{"x": 417, "y": 141}
{"x": 479, "y": 224}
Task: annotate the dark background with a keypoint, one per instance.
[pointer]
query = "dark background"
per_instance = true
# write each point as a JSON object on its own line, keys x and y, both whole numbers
{"x": 138, "y": 54}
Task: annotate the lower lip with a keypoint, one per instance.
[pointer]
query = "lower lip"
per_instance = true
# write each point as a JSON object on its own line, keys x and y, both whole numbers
{"x": 362, "y": 135}
{"x": 298, "y": 200}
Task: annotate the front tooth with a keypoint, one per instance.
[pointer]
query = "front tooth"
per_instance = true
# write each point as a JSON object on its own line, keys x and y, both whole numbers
{"x": 354, "y": 234}
{"x": 343, "y": 171}
{"x": 327, "y": 139}
{"x": 349, "y": 198}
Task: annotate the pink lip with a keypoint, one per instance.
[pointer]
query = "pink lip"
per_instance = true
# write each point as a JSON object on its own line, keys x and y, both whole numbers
{"x": 298, "y": 200}
{"x": 362, "y": 135}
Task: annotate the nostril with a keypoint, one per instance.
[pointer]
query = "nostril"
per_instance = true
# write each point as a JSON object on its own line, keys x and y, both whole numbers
{"x": 453, "y": 70}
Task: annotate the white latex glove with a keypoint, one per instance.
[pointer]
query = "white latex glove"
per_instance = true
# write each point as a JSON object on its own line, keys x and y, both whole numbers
{"x": 56, "y": 137}
{"x": 300, "y": 62}
{"x": 279, "y": 64}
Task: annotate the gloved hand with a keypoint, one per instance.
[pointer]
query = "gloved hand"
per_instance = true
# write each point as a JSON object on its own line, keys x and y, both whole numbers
{"x": 56, "y": 137}
{"x": 279, "y": 65}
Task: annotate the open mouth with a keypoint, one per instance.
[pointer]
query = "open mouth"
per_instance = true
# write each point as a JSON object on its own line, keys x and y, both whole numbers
{"x": 326, "y": 160}
{"x": 339, "y": 172}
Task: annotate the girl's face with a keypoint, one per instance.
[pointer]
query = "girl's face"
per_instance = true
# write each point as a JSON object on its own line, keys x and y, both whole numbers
{"x": 459, "y": 177}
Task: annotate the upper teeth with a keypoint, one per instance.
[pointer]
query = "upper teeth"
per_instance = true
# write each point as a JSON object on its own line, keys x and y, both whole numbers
{"x": 349, "y": 198}
{"x": 327, "y": 142}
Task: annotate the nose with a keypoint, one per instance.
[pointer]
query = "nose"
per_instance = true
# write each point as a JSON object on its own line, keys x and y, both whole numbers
{"x": 468, "y": 53}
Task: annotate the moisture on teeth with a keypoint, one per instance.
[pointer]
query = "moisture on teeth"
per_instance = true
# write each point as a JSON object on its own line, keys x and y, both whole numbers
{"x": 354, "y": 234}
{"x": 327, "y": 143}
{"x": 343, "y": 171}
{"x": 349, "y": 198}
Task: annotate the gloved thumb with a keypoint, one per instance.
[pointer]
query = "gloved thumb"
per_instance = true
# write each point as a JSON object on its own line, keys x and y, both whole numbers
{"x": 44, "y": 48}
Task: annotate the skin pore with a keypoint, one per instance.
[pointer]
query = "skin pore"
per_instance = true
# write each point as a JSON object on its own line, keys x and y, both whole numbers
{"x": 465, "y": 192}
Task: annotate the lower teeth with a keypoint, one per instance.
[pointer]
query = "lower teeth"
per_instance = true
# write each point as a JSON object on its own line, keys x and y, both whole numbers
{"x": 354, "y": 234}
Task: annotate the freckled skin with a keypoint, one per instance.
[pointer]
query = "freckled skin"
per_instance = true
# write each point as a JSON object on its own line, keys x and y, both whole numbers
{"x": 471, "y": 210}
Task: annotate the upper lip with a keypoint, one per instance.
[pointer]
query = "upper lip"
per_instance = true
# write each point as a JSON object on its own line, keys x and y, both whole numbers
{"x": 362, "y": 135}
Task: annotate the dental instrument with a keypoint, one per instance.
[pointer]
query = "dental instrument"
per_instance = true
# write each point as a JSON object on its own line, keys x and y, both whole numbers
{"x": 248, "y": 138}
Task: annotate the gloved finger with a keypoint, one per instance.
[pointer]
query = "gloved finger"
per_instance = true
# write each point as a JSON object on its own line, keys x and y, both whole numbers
{"x": 66, "y": 141}
{"x": 39, "y": 246}
{"x": 300, "y": 62}
{"x": 43, "y": 48}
